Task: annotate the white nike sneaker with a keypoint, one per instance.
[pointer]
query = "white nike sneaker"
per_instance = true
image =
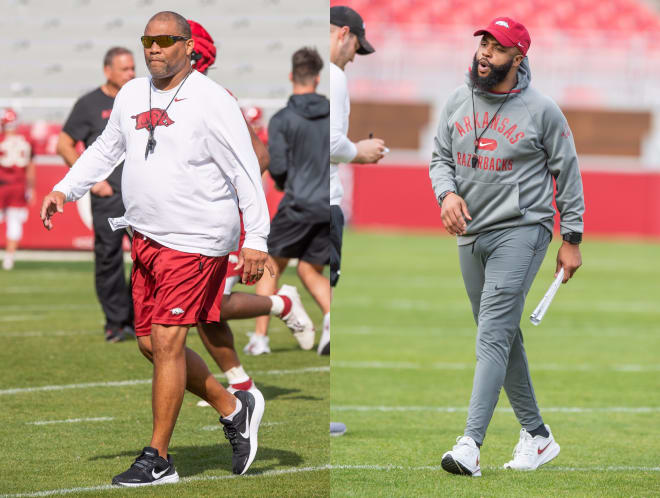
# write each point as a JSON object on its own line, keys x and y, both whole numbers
{"x": 258, "y": 345}
{"x": 8, "y": 263}
{"x": 463, "y": 459}
{"x": 532, "y": 452}
{"x": 297, "y": 318}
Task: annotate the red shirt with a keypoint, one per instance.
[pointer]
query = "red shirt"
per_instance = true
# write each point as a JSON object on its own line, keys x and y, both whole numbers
{"x": 15, "y": 155}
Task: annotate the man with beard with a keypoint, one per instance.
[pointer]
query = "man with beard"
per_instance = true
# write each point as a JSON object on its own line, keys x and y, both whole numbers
{"x": 189, "y": 165}
{"x": 499, "y": 145}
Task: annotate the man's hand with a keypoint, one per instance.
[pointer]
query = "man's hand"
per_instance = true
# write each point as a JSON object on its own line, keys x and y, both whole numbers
{"x": 568, "y": 258}
{"x": 454, "y": 214}
{"x": 253, "y": 263}
{"x": 102, "y": 189}
{"x": 53, "y": 203}
{"x": 369, "y": 151}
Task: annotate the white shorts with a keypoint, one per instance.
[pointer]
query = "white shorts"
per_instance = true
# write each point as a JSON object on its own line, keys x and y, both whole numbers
{"x": 15, "y": 217}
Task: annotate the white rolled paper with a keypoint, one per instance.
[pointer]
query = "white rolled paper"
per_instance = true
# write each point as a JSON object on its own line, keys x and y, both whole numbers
{"x": 543, "y": 306}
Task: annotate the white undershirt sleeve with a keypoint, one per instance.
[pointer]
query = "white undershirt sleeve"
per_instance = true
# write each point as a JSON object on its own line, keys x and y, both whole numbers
{"x": 342, "y": 150}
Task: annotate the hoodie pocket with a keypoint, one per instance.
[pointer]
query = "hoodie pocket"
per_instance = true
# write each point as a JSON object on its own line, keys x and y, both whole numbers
{"x": 488, "y": 203}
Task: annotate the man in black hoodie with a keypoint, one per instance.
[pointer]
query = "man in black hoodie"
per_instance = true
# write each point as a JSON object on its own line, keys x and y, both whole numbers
{"x": 299, "y": 147}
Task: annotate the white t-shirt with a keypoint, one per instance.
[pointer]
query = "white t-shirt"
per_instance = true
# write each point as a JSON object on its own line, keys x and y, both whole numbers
{"x": 342, "y": 150}
{"x": 187, "y": 193}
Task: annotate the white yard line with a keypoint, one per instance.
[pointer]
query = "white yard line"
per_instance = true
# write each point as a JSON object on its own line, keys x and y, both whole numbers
{"x": 454, "y": 409}
{"x": 555, "y": 367}
{"x": 134, "y": 382}
{"x": 421, "y": 305}
{"x": 595, "y": 468}
{"x": 46, "y": 307}
{"x": 108, "y": 487}
{"x": 261, "y": 425}
{"x": 53, "y": 333}
{"x": 71, "y": 421}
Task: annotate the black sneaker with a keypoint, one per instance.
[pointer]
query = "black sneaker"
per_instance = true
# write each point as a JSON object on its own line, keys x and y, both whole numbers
{"x": 127, "y": 332}
{"x": 113, "y": 334}
{"x": 242, "y": 430}
{"x": 148, "y": 469}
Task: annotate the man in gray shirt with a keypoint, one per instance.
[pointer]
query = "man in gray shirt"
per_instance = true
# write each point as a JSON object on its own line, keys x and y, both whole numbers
{"x": 498, "y": 147}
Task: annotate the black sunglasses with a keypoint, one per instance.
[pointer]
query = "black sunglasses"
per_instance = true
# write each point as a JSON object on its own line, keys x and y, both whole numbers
{"x": 162, "y": 40}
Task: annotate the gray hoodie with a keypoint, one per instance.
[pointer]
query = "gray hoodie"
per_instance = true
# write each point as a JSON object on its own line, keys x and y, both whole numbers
{"x": 527, "y": 144}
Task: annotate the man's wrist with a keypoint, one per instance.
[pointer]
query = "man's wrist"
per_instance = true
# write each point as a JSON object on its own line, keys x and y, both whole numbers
{"x": 444, "y": 195}
{"x": 573, "y": 238}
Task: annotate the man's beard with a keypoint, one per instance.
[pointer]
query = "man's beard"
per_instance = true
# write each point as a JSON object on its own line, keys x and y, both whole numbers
{"x": 495, "y": 76}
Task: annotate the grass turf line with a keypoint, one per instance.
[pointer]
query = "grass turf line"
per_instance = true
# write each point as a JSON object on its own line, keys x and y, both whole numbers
{"x": 40, "y": 298}
{"x": 401, "y": 300}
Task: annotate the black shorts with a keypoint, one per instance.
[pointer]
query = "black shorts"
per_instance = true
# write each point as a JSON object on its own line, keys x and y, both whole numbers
{"x": 336, "y": 232}
{"x": 305, "y": 241}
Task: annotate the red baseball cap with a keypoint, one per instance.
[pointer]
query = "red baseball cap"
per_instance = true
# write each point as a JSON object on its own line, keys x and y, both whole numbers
{"x": 508, "y": 32}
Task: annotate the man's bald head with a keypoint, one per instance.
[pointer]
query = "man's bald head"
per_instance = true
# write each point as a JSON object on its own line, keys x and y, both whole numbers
{"x": 181, "y": 23}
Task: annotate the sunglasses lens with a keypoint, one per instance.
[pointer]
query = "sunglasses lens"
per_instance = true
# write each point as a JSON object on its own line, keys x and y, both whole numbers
{"x": 161, "y": 40}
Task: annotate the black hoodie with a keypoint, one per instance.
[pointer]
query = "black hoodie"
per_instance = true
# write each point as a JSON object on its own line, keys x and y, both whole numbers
{"x": 299, "y": 147}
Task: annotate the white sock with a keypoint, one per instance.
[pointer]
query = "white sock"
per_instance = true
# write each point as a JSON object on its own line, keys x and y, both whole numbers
{"x": 326, "y": 321}
{"x": 236, "y": 375}
{"x": 277, "y": 306}
{"x": 239, "y": 405}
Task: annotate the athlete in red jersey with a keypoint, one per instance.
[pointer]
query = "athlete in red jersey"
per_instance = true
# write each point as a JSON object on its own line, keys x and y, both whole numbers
{"x": 16, "y": 182}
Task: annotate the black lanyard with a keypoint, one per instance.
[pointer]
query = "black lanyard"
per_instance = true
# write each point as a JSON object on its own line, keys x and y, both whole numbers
{"x": 151, "y": 142}
{"x": 475, "y": 157}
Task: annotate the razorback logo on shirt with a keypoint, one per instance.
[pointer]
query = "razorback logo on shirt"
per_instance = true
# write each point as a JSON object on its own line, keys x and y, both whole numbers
{"x": 105, "y": 113}
{"x": 158, "y": 117}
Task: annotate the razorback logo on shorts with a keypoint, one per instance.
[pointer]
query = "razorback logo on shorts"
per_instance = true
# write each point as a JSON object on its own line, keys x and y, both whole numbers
{"x": 158, "y": 117}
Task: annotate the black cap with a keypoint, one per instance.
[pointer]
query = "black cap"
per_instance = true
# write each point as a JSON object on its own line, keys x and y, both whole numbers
{"x": 345, "y": 16}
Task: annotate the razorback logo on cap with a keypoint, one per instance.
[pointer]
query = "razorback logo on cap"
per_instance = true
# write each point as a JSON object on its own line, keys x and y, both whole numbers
{"x": 502, "y": 23}
{"x": 158, "y": 117}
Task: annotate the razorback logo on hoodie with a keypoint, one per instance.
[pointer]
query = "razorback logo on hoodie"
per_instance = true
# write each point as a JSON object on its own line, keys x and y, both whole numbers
{"x": 158, "y": 117}
{"x": 498, "y": 124}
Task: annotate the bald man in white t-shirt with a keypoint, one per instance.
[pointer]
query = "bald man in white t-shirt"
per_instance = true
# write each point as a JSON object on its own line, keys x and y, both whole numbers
{"x": 189, "y": 165}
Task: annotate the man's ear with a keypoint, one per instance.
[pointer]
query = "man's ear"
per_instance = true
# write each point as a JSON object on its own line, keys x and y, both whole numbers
{"x": 517, "y": 59}
{"x": 190, "y": 46}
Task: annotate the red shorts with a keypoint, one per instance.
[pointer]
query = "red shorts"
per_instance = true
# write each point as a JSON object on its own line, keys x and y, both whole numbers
{"x": 174, "y": 288}
{"x": 12, "y": 195}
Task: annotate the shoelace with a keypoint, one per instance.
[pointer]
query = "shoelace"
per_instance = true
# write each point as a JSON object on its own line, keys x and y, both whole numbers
{"x": 525, "y": 446}
{"x": 143, "y": 461}
{"x": 231, "y": 435}
{"x": 460, "y": 443}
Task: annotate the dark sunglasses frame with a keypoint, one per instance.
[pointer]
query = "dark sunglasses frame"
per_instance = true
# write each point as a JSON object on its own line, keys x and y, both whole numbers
{"x": 163, "y": 41}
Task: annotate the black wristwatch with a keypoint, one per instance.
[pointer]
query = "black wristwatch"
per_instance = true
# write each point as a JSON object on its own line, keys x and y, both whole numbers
{"x": 442, "y": 196}
{"x": 573, "y": 237}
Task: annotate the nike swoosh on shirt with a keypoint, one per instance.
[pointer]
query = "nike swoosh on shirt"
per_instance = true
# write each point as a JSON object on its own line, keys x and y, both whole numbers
{"x": 158, "y": 475}
{"x": 179, "y": 100}
{"x": 246, "y": 435}
{"x": 546, "y": 447}
{"x": 487, "y": 144}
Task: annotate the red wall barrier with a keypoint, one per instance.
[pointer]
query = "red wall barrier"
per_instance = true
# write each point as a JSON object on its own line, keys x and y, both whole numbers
{"x": 70, "y": 230}
{"x": 402, "y": 197}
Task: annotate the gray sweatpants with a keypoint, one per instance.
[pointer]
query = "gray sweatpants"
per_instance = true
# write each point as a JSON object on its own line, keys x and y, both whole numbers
{"x": 498, "y": 270}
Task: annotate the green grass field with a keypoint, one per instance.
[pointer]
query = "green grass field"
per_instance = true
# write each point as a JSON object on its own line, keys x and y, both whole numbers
{"x": 50, "y": 335}
{"x": 403, "y": 358}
